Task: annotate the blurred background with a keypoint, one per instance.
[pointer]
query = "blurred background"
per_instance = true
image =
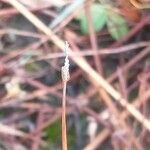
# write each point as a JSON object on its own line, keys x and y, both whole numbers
{"x": 110, "y": 55}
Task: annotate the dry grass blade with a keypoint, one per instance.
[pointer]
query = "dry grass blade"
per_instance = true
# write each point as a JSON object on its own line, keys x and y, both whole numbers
{"x": 98, "y": 140}
{"x": 10, "y": 131}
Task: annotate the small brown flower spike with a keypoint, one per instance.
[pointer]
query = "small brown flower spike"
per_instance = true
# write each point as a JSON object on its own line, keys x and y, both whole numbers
{"x": 65, "y": 69}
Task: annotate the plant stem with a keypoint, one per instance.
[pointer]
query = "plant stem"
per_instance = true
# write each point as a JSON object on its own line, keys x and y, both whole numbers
{"x": 64, "y": 132}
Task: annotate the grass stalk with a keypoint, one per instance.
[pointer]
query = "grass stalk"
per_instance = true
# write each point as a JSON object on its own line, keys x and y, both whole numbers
{"x": 65, "y": 78}
{"x": 64, "y": 126}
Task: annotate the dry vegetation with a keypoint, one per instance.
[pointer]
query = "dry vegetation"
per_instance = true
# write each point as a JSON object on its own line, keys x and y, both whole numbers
{"x": 108, "y": 91}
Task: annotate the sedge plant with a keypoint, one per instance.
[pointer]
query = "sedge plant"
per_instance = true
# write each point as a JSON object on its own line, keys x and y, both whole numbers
{"x": 65, "y": 78}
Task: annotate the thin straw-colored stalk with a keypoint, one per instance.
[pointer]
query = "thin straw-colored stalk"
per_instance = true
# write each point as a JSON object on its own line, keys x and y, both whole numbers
{"x": 65, "y": 78}
{"x": 64, "y": 131}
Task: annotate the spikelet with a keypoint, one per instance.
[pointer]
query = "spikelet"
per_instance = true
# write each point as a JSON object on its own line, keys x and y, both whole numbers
{"x": 65, "y": 69}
